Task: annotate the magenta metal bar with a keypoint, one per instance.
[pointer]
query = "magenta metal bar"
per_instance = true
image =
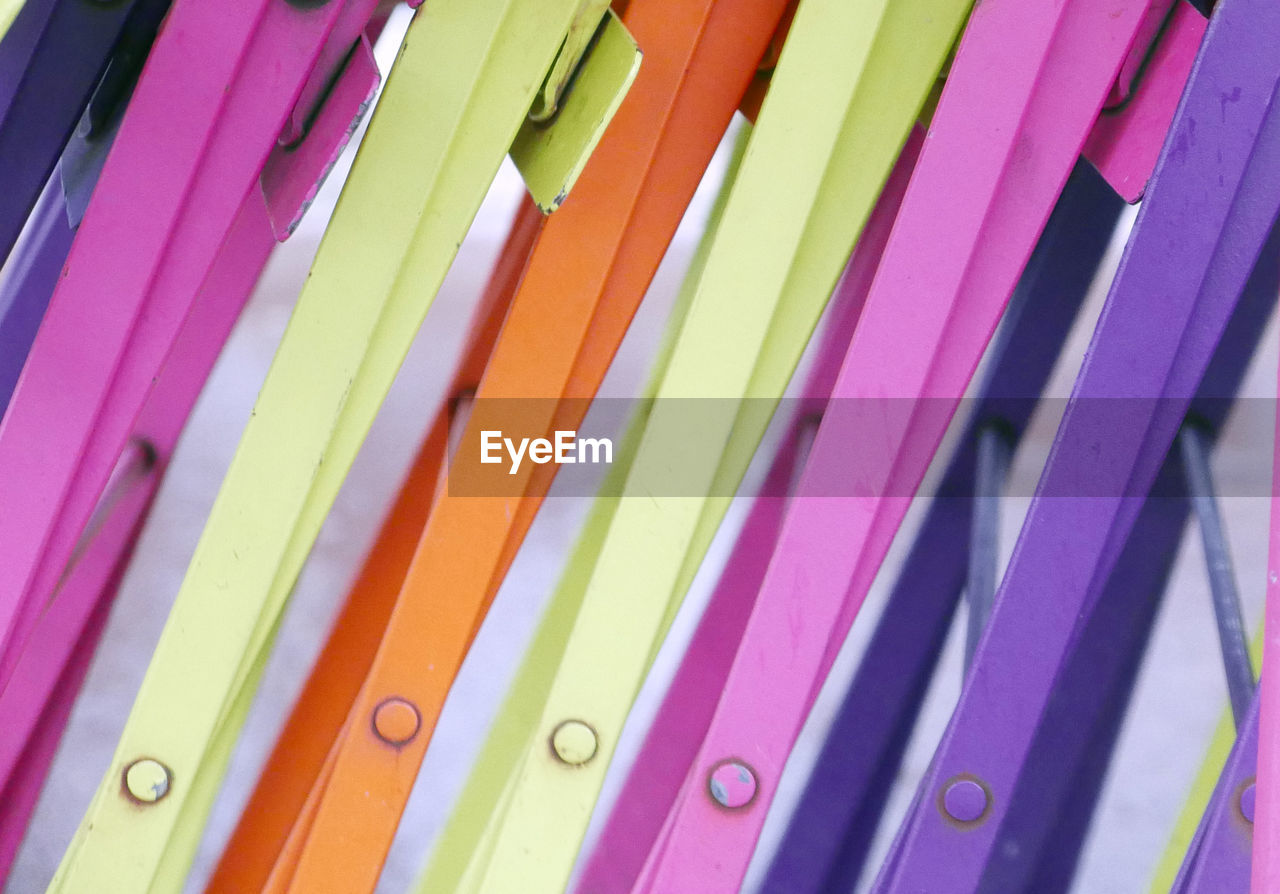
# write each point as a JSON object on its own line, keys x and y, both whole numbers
{"x": 37, "y": 697}
{"x": 47, "y": 664}
{"x": 215, "y": 94}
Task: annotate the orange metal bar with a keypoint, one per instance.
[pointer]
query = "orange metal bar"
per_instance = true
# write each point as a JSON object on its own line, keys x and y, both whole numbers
{"x": 322, "y": 708}
{"x": 589, "y": 270}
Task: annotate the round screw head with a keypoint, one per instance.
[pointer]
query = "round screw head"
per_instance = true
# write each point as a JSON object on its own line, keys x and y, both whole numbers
{"x": 396, "y": 721}
{"x": 574, "y": 742}
{"x": 732, "y": 784}
{"x": 1247, "y": 798}
{"x": 147, "y": 780}
{"x": 965, "y": 800}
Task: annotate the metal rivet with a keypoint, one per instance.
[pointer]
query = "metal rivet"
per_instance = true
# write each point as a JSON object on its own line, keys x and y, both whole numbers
{"x": 1247, "y": 798}
{"x": 965, "y": 800}
{"x": 147, "y": 780}
{"x": 732, "y": 783}
{"x": 396, "y": 721}
{"x": 574, "y": 742}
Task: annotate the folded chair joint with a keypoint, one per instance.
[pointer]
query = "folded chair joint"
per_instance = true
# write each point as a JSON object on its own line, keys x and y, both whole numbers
{"x": 298, "y": 167}
{"x": 1159, "y": 20}
{"x": 583, "y": 89}
{"x": 587, "y": 24}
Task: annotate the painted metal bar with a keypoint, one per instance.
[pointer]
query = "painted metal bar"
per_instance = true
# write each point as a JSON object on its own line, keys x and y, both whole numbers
{"x": 584, "y": 280}
{"x": 133, "y": 272}
{"x": 69, "y": 44}
{"x": 820, "y": 840}
{"x": 829, "y": 832}
{"x": 454, "y": 852}
{"x": 653, "y": 781}
{"x": 787, "y": 230}
{"x": 25, "y": 291}
{"x": 39, "y": 694}
{"x": 47, "y": 673}
{"x": 1187, "y": 269}
{"x": 460, "y": 89}
{"x": 950, "y": 268}
{"x": 1218, "y": 860}
{"x": 17, "y": 47}
{"x": 1126, "y": 140}
{"x": 1113, "y": 649}
{"x": 321, "y": 710}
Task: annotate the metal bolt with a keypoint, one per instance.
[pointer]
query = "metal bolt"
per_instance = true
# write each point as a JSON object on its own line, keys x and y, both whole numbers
{"x": 396, "y": 721}
{"x": 732, "y": 783}
{"x": 147, "y": 780}
{"x": 965, "y": 800}
{"x": 574, "y": 742}
{"x": 1247, "y": 798}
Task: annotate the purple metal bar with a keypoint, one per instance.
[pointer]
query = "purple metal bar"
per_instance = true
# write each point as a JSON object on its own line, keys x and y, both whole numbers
{"x": 64, "y": 67}
{"x": 1229, "y": 856}
{"x": 18, "y": 45}
{"x": 25, "y": 292}
{"x": 1208, "y": 211}
{"x": 1218, "y": 860}
{"x": 1063, "y": 777}
{"x": 826, "y": 841}
{"x": 1114, "y": 642}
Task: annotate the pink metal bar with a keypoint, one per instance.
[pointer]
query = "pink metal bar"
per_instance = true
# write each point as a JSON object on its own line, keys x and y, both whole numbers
{"x": 42, "y": 692}
{"x": 46, "y": 672}
{"x": 998, "y": 153}
{"x": 1126, "y": 140}
{"x": 682, "y": 721}
{"x": 38, "y": 695}
{"x": 1266, "y": 829}
{"x": 216, "y": 91}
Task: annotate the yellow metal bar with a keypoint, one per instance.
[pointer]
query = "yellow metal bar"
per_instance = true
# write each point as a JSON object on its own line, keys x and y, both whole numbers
{"x": 458, "y": 850}
{"x": 459, "y": 91}
{"x": 8, "y": 12}
{"x": 850, "y": 81}
{"x": 546, "y": 103}
{"x": 550, "y": 154}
